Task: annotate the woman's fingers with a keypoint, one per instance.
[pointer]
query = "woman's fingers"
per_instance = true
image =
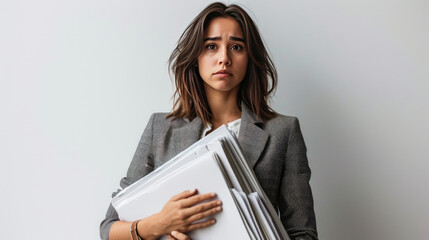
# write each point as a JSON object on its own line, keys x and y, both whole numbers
{"x": 170, "y": 237}
{"x": 190, "y": 201}
{"x": 201, "y": 224}
{"x": 204, "y": 214}
{"x": 179, "y": 236}
{"x": 202, "y": 207}
{"x": 184, "y": 194}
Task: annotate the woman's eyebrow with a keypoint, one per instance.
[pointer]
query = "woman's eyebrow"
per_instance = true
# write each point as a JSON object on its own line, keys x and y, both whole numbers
{"x": 219, "y": 38}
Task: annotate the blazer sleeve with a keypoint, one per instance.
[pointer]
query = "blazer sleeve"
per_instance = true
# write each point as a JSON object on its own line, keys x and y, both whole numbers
{"x": 141, "y": 164}
{"x": 295, "y": 198}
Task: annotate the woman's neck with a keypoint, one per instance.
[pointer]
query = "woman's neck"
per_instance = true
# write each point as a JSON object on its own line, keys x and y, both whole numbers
{"x": 224, "y": 109}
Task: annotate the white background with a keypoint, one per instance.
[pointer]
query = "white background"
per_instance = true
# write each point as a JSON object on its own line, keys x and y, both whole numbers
{"x": 79, "y": 80}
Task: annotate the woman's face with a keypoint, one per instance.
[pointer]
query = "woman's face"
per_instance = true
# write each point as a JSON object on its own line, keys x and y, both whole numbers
{"x": 223, "y": 62}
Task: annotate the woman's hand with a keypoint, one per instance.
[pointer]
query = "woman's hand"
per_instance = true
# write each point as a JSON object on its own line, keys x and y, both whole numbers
{"x": 182, "y": 210}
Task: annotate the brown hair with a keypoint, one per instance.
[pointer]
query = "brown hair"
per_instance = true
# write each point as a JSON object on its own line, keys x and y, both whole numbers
{"x": 189, "y": 98}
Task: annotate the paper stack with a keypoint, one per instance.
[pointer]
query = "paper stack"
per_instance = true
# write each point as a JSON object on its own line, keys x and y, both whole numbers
{"x": 213, "y": 164}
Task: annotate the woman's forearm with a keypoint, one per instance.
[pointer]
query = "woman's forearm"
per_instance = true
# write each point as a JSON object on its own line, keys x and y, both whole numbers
{"x": 147, "y": 229}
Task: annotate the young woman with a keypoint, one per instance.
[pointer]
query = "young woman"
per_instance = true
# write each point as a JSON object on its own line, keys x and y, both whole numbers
{"x": 223, "y": 75}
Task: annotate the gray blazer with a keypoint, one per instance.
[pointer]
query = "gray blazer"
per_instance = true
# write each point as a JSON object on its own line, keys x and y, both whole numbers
{"x": 275, "y": 150}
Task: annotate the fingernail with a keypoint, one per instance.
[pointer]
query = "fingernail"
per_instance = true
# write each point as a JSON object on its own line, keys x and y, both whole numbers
{"x": 193, "y": 190}
{"x": 173, "y": 232}
{"x": 213, "y": 194}
{"x": 219, "y": 202}
{"x": 213, "y": 221}
{"x": 219, "y": 208}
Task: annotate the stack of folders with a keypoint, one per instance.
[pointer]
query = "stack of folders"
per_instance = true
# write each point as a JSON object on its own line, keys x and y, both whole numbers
{"x": 213, "y": 164}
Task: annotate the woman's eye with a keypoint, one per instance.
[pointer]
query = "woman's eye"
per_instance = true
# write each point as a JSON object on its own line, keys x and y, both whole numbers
{"x": 237, "y": 47}
{"x": 211, "y": 47}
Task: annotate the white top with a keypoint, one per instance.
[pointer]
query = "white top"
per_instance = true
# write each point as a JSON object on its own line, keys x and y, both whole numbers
{"x": 234, "y": 126}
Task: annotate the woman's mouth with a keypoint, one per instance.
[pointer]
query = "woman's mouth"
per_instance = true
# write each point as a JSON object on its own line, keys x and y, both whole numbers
{"x": 223, "y": 73}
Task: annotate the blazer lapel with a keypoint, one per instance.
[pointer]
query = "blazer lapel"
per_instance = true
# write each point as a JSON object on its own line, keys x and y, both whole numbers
{"x": 251, "y": 137}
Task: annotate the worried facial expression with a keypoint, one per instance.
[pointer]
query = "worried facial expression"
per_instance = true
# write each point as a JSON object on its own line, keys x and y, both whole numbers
{"x": 223, "y": 62}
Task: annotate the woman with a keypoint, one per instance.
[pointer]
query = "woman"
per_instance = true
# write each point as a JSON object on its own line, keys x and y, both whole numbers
{"x": 223, "y": 75}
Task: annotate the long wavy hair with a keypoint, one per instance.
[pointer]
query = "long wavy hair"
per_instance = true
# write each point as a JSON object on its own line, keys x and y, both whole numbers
{"x": 258, "y": 85}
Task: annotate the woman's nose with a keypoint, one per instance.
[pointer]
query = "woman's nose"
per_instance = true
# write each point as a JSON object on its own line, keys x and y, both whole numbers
{"x": 224, "y": 57}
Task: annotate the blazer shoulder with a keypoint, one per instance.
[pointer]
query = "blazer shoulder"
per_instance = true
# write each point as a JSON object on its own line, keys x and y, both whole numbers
{"x": 159, "y": 117}
{"x": 282, "y": 126}
{"x": 160, "y": 120}
{"x": 281, "y": 121}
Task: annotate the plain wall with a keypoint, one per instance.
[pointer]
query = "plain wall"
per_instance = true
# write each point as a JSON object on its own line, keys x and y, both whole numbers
{"x": 79, "y": 80}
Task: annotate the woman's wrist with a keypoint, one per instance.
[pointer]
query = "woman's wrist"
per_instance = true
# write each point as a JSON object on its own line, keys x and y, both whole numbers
{"x": 148, "y": 228}
{"x": 134, "y": 232}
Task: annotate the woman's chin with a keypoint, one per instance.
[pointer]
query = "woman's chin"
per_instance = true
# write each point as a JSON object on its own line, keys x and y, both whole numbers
{"x": 223, "y": 87}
